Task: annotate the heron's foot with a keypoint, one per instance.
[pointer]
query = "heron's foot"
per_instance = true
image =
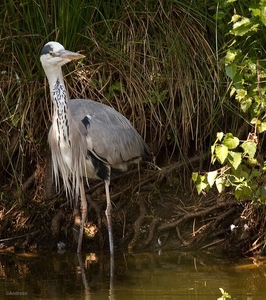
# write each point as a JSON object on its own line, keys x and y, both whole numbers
{"x": 90, "y": 230}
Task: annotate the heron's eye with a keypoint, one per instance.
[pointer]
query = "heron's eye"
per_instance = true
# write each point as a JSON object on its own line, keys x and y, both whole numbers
{"x": 51, "y": 53}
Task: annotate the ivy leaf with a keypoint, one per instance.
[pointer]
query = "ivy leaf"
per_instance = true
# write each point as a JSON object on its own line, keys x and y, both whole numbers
{"x": 221, "y": 152}
{"x": 250, "y": 148}
{"x": 230, "y": 141}
{"x": 211, "y": 177}
{"x": 234, "y": 159}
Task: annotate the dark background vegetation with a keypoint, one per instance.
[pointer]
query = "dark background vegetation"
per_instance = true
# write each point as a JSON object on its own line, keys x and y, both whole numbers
{"x": 160, "y": 63}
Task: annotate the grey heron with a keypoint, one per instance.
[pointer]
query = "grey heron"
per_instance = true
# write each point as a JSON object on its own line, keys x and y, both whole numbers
{"x": 87, "y": 139}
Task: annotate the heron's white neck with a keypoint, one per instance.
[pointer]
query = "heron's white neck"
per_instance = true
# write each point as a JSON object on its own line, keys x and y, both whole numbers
{"x": 59, "y": 97}
{"x": 53, "y": 74}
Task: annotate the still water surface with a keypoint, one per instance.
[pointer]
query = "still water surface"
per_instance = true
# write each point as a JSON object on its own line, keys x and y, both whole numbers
{"x": 150, "y": 276}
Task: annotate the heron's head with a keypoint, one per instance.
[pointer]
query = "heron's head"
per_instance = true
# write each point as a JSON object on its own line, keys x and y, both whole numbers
{"x": 54, "y": 54}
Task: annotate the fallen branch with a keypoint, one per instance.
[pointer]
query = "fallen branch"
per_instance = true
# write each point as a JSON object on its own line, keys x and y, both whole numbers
{"x": 223, "y": 216}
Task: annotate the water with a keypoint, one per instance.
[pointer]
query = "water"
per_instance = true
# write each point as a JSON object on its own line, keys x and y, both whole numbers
{"x": 150, "y": 276}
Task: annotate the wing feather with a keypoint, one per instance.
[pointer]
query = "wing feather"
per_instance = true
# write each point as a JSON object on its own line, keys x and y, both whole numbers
{"x": 110, "y": 136}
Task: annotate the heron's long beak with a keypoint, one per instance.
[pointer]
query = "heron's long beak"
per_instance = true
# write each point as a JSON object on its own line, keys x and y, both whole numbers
{"x": 66, "y": 54}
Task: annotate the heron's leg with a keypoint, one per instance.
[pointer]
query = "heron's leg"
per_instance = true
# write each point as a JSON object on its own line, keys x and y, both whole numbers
{"x": 83, "y": 210}
{"x": 77, "y": 219}
{"x": 108, "y": 213}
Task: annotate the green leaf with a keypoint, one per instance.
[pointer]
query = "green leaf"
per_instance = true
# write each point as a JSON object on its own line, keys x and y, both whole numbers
{"x": 221, "y": 152}
{"x": 242, "y": 171}
{"x": 213, "y": 149}
{"x": 254, "y": 121}
{"x": 238, "y": 81}
{"x": 263, "y": 15}
{"x": 230, "y": 141}
{"x": 220, "y": 135}
{"x": 240, "y": 94}
{"x": 243, "y": 192}
{"x": 232, "y": 91}
{"x": 230, "y": 56}
{"x": 117, "y": 86}
{"x": 235, "y": 18}
{"x": 255, "y": 174}
{"x": 243, "y": 26}
{"x": 256, "y": 12}
{"x": 219, "y": 15}
{"x": 234, "y": 180}
{"x": 231, "y": 71}
{"x": 225, "y": 295}
{"x": 246, "y": 104}
{"x": 201, "y": 183}
{"x": 261, "y": 126}
{"x": 252, "y": 162}
{"x": 234, "y": 159}
{"x": 211, "y": 176}
{"x": 220, "y": 184}
{"x": 195, "y": 176}
{"x": 250, "y": 148}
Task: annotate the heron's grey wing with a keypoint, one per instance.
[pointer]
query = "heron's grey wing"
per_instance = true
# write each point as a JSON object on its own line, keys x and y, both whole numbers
{"x": 110, "y": 136}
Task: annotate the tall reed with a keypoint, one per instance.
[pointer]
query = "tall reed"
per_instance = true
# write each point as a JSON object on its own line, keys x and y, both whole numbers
{"x": 154, "y": 61}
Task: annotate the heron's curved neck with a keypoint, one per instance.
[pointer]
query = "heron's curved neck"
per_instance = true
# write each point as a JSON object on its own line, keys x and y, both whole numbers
{"x": 53, "y": 74}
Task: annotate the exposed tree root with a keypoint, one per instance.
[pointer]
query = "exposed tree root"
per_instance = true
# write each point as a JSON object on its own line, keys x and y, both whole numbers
{"x": 151, "y": 231}
{"x": 137, "y": 224}
{"x": 200, "y": 213}
{"x": 55, "y": 224}
{"x": 151, "y": 210}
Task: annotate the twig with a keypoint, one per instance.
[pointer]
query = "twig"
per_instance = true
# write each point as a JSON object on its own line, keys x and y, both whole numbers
{"x": 200, "y": 213}
{"x": 184, "y": 242}
{"x": 19, "y": 236}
